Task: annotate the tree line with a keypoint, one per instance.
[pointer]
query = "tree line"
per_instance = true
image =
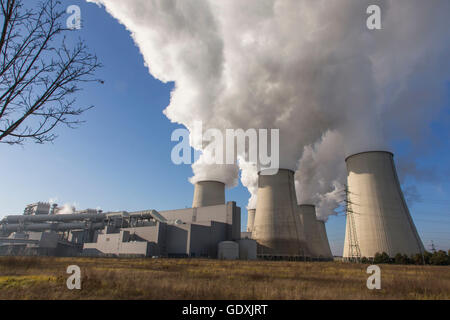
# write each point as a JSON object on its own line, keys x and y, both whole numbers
{"x": 439, "y": 257}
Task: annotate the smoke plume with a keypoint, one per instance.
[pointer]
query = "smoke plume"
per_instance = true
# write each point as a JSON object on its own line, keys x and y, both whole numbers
{"x": 311, "y": 69}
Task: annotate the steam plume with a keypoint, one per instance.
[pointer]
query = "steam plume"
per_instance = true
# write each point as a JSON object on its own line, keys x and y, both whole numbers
{"x": 309, "y": 68}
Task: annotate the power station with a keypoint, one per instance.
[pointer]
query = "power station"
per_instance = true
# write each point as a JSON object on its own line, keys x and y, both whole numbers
{"x": 378, "y": 220}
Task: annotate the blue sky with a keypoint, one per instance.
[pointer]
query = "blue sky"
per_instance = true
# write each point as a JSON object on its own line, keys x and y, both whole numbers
{"x": 120, "y": 158}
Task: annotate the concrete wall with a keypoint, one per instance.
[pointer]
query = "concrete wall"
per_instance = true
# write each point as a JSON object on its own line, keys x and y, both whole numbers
{"x": 204, "y": 214}
{"x": 201, "y": 242}
{"x": 177, "y": 239}
{"x": 229, "y": 214}
{"x": 247, "y": 249}
{"x": 115, "y": 244}
{"x": 155, "y": 235}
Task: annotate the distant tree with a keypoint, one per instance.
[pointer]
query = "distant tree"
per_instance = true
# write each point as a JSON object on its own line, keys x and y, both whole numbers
{"x": 39, "y": 72}
{"x": 377, "y": 258}
{"x": 381, "y": 258}
{"x": 401, "y": 259}
{"x": 439, "y": 258}
{"x": 364, "y": 260}
{"x": 417, "y": 258}
{"x": 427, "y": 257}
{"x": 406, "y": 259}
{"x": 398, "y": 259}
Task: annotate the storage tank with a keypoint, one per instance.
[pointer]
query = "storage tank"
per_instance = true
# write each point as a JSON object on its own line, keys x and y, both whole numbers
{"x": 250, "y": 219}
{"x": 247, "y": 249}
{"x": 228, "y": 250}
{"x": 277, "y": 227}
{"x": 208, "y": 193}
{"x": 378, "y": 219}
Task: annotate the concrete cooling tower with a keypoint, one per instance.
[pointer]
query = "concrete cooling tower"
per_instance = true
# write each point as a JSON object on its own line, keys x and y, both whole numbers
{"x": 250, "y": 219}
{"x": 208, "y": 193}
{"x": 315, "y": 232}
{"x": 277, "y": 227}
{"x": 378, "y": 219}
{"x": 325, "y": 250}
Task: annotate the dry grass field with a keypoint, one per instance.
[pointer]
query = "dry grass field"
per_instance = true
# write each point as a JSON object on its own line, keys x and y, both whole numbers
{"x": 45, "y": 278}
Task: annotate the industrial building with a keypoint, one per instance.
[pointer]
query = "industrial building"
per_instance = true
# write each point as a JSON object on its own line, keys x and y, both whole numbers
{"x": 193, "y": 232}
{"x": 211, "y": 228}
{"x": 378, "y": 219}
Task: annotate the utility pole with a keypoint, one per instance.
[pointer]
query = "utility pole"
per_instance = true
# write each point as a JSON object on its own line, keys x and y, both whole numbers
{"x": 433, "y": 248}
{"x": 354, "y": 249}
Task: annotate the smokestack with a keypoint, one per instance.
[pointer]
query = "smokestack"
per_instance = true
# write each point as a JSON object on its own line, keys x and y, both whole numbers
{"x": 277, "y": 227}
{"x": 250, "y": 219}
{"x": 378, "y": 219}
{"x": 208, "y": 193}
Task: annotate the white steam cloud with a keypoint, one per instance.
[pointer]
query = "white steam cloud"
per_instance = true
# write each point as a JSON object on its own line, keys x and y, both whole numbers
{"x": 67, "y": 208}
{"x": 311, "y": 69}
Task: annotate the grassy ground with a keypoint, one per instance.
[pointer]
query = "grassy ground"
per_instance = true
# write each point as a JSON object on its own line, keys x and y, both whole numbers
{"x": 45, "y": 278}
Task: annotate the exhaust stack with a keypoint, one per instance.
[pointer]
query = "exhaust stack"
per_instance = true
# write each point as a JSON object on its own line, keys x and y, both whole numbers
{"x": 378, "y": 219}
{"x": 208, "y": 193}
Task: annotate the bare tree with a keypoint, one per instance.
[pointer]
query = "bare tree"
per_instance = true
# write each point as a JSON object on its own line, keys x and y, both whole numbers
{"x": 39, "y": 72}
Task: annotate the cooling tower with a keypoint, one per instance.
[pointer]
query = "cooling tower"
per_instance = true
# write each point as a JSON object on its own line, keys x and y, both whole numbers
{"x": 315, "y": 232}
{"x": 208, "y": 193}
{"x": 277, "y": 227}
{"x": 325, "y": 250}
{"x": 250, "y": 219}
{"x": 307, "y": 215}
{"x": 378, "y": 219}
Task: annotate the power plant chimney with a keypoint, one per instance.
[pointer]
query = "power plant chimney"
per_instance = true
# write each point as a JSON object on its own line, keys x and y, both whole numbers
{"x": 378, "y": 219}
{"x": 208, "y": 193}
{"x": 277, "y": 227}
{"x": 250, "y": 219}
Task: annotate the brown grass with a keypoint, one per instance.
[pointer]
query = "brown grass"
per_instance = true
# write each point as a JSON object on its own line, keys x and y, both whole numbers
{"x": 45, "y": 278}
